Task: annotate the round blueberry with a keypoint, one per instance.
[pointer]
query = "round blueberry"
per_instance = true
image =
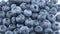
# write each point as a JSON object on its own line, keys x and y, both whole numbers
{"x": 24, "y": 30}
{"x": 27, "y": 13}
{"x": 6, "y": 21}
{"x": 3, "y": 28}
{"x": 38, "y": 29}
{"x": 20, "y": 18}
{"x": 34, "y": 8}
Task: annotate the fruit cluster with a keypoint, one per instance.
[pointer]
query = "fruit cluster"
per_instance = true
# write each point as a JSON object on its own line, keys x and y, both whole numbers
{"x": 29, "y": 17}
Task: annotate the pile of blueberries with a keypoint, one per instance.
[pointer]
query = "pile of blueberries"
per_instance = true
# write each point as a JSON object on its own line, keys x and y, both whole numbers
{"x": 29, "y": 17}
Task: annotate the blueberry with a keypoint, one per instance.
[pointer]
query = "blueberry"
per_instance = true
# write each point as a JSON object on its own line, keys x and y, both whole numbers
{"x": 48, "y": 30}
{"x": 5, "y": 8}
{"x": 34, "y": 8}
{"x": 2, "y": 14}
{"x": 13, "y": 6}
{"x": 47, "y": 8}
{"x": 26, "y": 1}
{"x": 54, "y": 1}
{"x": 6, "y": 21}
{"x": 55, "y": 32}
{"x": 41, "y": 3}
{"x": 9, "y": 14}
{"x": 27, "y": 13}
{"x": 38, "y": 29}
{"x": 36, "y": 23}
{"x": 24, "y": 30}
{"x": 55, "y": 26}
{"x": 34, "y": 15}
{"x": 0, "y": 21}
{"x": 50, "y": 18}
{"x": 3, "y": 28}
{"x": 11, "y": 27}
{"x": 41, "y": 16}
{"x": 53, "y": 10}
{"x": 13, "y": 20}
{"x": 23, "y": 5}
{"x": 32, "y": 32}
{"x": 46, "y": 24}
{"x": 2, "y": 3}
{"x": 20, "y": 18}
{"x": 29, "y": 22}
{"x": 14, "y": 13}
{"x": 57, "y": 18}
{"x": 8, "y": 32}
{"x": 31, "y": 29}
{"x": 18, "y": 10}
{"x": 19, "y": 25}
{"x": 16, "y": 30}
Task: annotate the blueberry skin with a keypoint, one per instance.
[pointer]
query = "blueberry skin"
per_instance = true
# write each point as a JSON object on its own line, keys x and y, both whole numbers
{"x": 50, "y": 18}
{"x": 46, "y": 24}
{"x": 55, "y": 32}
{"x": 34, "y": 15}
{"x": 0, "y": 33}
{"x": 11, "y": 27}
{"x": 2, "y": 3}
{"x": 19, "y": 25}
{"x": 0, "y": 21}
{"x": 6, "y": 21}
{"x": 58, "y": 18}
{"x": 54, "y": 1}
{"x": 53, "y": 10}
{"x": 5, "y": 8}
{"x": 2, "y": 14}
{"x": 3, "y": 28}
{"x": 38, "y": 29}
{"x": 41, "y": 3}
{"x": 29, "y": 22}
{"x": 34, "y": 8}
{"x": 16, "y": 30}
{"x": 26, "y": 1}
{"x": 41, "y": 16}
{"x": 16, "y": 11}
{"x": 47, "y": 8}
{"x": 27, "y": 13}
{"x": 48, "y": 30}
{"x": 20, "y": 18}
{"x": 9, "y": 14}
{"x": 36, "y": 23}
{"x": 13, "y": 20}
{"x": 8, "y": 32}
{"x": 55, "y": 26}
{"x": 13, "y": 6}
{"x": 23, "y": 5}
{"x": 32, "y": 33}
{"x": 24, "y": 30}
